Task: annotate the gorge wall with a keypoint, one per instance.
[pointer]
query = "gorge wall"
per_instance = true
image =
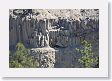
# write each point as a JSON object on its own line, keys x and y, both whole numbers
{"x": 53, "y": 35}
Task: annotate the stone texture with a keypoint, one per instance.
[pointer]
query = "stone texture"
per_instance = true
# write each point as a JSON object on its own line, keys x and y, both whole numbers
{"x": 59, "y": 29}
{"x": 45, "y": 56}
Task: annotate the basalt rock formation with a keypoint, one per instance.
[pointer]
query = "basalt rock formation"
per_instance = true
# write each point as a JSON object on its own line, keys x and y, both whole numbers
{"x": 54, "y": 33}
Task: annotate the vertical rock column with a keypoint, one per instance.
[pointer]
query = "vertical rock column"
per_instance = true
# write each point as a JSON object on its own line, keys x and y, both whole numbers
{"x": 25, "y": 34}
{"x": 18, "y": 29}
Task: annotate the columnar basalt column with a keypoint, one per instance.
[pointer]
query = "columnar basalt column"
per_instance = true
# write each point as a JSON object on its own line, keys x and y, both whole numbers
{"x": 47, "y": 39}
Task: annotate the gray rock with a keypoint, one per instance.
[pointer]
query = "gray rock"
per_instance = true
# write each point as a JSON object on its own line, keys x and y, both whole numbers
{"x": 56, "y": 29}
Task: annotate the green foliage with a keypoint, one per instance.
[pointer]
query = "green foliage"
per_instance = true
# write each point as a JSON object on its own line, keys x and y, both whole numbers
{"x": 20, "y": 58}
{"x": 88, "y": 58}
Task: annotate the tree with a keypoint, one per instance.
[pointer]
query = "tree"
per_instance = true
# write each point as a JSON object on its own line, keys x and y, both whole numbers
{"x": 88, "y": 58}
{"x": 20, "y": 58}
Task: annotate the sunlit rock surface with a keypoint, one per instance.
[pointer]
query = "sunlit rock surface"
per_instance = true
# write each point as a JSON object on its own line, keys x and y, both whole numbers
{"x": 53, "y": 34}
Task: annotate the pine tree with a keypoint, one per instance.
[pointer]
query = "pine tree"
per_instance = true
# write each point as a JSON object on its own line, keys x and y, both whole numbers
{"x": 20, "y": 59}
{"x": 88, "y": 58}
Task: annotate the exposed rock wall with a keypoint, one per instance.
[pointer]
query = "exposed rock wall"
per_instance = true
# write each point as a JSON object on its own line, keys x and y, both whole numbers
{"x": 37, "y": 31}
{"x": 45, "y": 56}
{"x": 33, "y": 32}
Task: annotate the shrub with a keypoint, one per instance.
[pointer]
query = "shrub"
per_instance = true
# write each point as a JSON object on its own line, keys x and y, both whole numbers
{"x": 88, "y": 58}
{"x": 20, "y": 58}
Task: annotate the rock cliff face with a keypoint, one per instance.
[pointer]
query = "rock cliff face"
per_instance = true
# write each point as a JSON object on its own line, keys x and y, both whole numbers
{"x": 53, "y": 34}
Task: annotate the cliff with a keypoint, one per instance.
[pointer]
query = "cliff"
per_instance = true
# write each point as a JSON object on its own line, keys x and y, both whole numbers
{"x": 60, "y": 30}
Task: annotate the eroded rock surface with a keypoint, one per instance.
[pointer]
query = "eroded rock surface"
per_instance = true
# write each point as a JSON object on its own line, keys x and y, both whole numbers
{"x": 60, "y": 29}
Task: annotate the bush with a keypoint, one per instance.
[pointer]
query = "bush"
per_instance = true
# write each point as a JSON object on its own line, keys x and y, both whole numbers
{"x": 20, "y": 58}
{"x": 88, "y": 58}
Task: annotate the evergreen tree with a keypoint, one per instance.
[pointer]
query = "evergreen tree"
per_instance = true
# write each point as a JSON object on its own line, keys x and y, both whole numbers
{"x": 88, "y": 58}
{"x": 20, "y": 58}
